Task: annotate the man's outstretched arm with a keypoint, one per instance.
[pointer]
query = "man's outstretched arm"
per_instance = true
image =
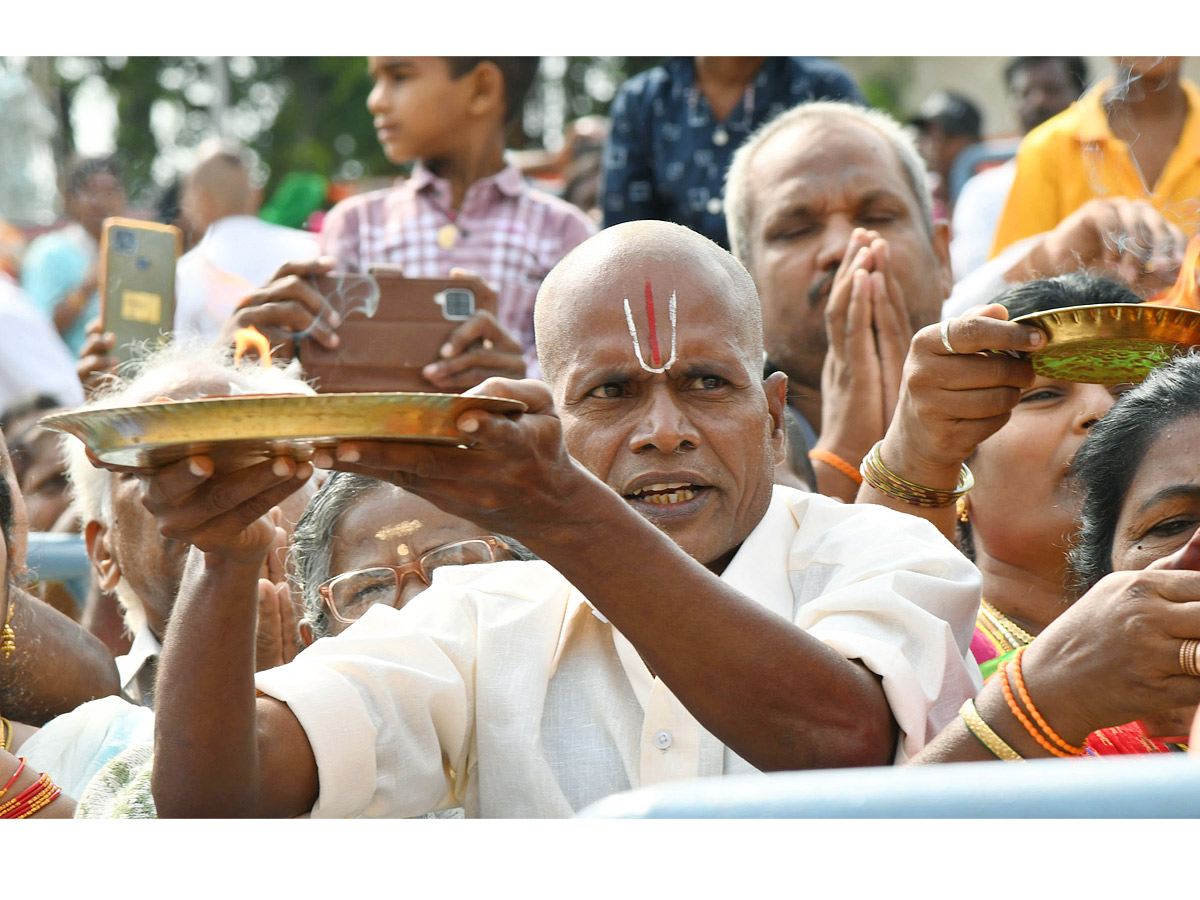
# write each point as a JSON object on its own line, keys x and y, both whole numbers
{"x": 219, "y": 751}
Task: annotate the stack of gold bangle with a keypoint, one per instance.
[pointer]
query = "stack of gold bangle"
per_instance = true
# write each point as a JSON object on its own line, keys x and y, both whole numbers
{"x": 884, "y": 480}
{"x": 6, "y": 734}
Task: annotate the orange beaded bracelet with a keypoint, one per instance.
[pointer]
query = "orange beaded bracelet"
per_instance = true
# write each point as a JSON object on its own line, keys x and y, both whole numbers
{"x": 1021, "y": 717}
{"x": 838, "y": 463}
{"x": 1037, "y": 717}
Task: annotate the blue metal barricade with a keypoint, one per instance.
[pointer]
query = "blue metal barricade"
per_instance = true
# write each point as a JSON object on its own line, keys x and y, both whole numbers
{"x": 60, "y": 557}
{"x": 1166, "y": 786}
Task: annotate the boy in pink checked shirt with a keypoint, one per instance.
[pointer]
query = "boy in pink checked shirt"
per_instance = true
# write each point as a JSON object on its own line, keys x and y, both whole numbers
{"x": 463, "y": 210}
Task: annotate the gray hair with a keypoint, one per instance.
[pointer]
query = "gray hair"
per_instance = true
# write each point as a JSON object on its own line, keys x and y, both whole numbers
{"x": 737, "y": 193}
{"x": 311, "y": 558}
{"x": 158, "y": 373}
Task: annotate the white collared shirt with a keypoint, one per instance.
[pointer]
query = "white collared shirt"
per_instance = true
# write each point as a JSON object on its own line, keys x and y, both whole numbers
{"x": 502, "y": 690}
{"x": 136, "y": 669}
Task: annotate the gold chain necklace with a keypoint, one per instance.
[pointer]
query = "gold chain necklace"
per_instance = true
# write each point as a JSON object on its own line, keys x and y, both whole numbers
{"x": 1009, "y": 630}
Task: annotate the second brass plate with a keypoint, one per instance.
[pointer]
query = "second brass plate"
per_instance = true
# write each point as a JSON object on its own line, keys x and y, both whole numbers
{"x": 1111, "y": 344}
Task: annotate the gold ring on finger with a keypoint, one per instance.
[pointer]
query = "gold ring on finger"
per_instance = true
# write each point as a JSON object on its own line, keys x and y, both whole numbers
{"x": 1189, "y": 657}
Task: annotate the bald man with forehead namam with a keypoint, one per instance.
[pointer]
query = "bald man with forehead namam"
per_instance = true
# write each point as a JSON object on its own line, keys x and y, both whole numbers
{"x": 686, "y": 618}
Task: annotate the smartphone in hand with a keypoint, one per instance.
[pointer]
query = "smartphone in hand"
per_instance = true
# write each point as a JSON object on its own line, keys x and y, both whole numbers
{"x": 387, "y": 350}
{"x": 137, "y": 281}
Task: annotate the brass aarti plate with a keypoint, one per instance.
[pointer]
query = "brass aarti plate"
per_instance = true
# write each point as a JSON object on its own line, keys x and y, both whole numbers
{"x": 237, "y": 428}
{"x": 1113, "y": 343}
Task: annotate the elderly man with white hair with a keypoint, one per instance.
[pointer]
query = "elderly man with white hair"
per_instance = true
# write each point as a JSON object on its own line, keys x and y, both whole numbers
{"x": 129, "y": 556}
{"x": 132, "y": 559}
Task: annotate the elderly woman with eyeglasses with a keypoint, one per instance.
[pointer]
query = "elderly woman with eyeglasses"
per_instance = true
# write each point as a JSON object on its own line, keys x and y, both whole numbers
{"x": 364, "y": 542}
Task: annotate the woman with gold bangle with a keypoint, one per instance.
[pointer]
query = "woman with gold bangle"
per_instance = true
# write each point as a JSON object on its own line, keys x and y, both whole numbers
{"x": 23, "y": 792}
{"x": 1020, "y": 434}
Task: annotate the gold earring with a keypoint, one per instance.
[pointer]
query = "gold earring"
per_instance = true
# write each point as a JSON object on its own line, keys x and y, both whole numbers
{"x": 8, "y": 638}
{"x": 961, "y": 508}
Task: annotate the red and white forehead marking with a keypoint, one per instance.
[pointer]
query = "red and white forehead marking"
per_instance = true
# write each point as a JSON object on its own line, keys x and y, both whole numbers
{"x": 656, "y": 366}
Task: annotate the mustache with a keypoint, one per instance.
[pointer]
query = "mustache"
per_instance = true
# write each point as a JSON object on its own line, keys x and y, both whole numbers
{"x": 821, "y": 287}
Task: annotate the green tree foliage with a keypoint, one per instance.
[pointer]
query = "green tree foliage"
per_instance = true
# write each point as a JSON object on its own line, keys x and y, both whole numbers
{"x": 297, "y": 113}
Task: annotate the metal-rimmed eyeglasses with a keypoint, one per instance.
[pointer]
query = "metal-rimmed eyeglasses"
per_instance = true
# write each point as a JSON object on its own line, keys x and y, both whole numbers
{"x": 349, "y": 595}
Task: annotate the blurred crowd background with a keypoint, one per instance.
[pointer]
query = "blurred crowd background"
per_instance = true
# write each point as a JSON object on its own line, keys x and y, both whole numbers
{"x": 302, "y": 119}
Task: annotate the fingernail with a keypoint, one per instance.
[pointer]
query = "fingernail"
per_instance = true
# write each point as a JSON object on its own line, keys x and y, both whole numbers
{"x": 334, "y": 340}
{"x": 347, "y": 454}
{"x": 334, "y": 319}
{"x": 281, "y": 467}
{"x": 322, "y": 460}
{"x": 447, "y": 351}
{"x": 431, "y": 371}
{"x": 1037, "y": 338}
{"x": 197, "y": 468}
{"x": 469, "y": 425}
{"x": 303, "y": 471}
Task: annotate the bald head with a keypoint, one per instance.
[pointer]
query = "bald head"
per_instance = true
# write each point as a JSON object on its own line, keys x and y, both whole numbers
{"x": 605, "y": 266}
{"x": 217, "y": 187}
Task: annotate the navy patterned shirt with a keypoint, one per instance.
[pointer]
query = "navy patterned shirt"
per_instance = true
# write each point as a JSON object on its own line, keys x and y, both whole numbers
{"x": 667, "y": 155}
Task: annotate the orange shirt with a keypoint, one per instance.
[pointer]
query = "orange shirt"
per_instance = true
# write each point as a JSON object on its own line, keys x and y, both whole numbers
{"x": 1073, "y": 157}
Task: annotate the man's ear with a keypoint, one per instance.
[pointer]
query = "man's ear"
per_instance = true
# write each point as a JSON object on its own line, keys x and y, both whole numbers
{"x": 941, "y": 249}
{"x": 98, "y": 539}
{"x": 776, "y": 387}
{"x": 487, "y": 90}
{"x": 306, "y": 632}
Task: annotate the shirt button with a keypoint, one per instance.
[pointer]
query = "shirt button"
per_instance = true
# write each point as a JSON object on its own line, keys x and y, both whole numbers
{"x": 714, "y": 205}
{"x": 662, "y": 740}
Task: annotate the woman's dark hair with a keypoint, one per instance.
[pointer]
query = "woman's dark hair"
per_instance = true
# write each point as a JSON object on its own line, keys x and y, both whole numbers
{"x": 7, "y": 518}
{"x": 1109, "y": 459}
{"x": 312, "y": 542}
{"x": 1072, "y": 289}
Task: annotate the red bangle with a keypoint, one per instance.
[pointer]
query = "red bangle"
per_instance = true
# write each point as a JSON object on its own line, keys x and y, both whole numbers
{"x": 838, "y": 463}
{"x": 41, "y": 793}
{"x": 15, "y": 776}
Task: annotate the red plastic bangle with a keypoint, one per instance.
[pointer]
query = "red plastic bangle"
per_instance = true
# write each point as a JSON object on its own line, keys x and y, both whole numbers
{"x": 15, "y": 776}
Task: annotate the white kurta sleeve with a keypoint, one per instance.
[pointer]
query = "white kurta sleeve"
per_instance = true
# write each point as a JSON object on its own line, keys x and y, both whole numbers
{"x": 388, "y": 706}
{"x": 890, "y": 590}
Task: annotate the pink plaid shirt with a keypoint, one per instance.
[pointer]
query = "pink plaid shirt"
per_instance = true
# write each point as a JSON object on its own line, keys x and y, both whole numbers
{"x": 511, "y": 235}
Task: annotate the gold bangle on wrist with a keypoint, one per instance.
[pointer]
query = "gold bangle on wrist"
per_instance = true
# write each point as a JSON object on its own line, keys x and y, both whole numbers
{"x": 884, "y": 480}
{"x": 987, "y": 737}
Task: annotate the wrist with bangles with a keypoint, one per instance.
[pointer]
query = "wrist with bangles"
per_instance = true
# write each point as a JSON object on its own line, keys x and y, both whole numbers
{"x": 887, "y": 482}
{"x": 1021, "y": 705}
